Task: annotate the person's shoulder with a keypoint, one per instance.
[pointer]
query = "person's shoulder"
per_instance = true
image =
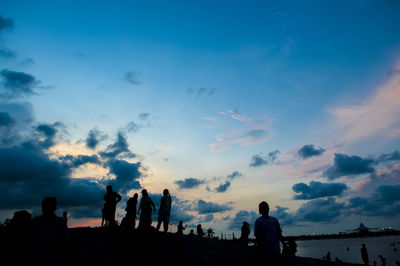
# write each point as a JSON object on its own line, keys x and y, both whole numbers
{"x": 274, "y": 219}
{"x": 259, "y": 219}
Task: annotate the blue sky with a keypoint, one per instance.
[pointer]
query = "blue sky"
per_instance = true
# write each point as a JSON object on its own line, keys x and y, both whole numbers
{"x": 300, "y": 99}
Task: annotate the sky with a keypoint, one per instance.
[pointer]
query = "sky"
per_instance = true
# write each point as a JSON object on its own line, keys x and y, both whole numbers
{"x": 225, "y": 103}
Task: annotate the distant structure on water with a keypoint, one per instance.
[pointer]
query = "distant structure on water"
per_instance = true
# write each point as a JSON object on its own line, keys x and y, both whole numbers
{"x": 362, "y": 229}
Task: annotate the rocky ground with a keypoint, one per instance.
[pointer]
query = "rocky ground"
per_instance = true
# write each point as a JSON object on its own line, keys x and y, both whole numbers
{"x": 98, "y": 246}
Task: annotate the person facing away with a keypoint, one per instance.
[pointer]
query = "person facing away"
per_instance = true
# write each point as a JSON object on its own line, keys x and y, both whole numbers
{"x": 49, "y": 235}
{"x": 65, "y": 218}
{"x": 200, "y": 232}
{"x": 383, "y": 260}
{"x": 164, "y": 211}
{"x": 145, "y": 209}
{"x": 191, "y": 232}
{"x": 245, "y": 232}
{"x": 111, "y": 199}
{"x": 180, "y": 228}
{"x": 364, "y": 254}
{"x": 268, "y": 233}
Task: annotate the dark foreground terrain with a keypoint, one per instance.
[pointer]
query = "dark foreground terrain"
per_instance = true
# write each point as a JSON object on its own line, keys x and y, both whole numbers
{"x": 97, "y": 246}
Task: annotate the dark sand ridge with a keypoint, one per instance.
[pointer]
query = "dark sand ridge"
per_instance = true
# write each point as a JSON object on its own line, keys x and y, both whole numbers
{"x": 99, "y": 246}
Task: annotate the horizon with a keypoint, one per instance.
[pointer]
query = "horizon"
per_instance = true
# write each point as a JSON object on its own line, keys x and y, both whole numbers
{"x": 225, "y": 104}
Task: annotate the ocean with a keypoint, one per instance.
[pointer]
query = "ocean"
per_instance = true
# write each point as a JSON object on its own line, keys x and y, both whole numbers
{"x": 387, "y": 246}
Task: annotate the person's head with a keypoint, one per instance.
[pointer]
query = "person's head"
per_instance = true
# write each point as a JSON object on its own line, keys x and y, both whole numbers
{"x": 109, "y": 188}
{"x": 144, "y": 193}
{"x": 363, "y": 245}
{"x": 49, "y": 205}
{"x": 263, "y": 208}
{"x": 198, "y": 226}
{"x": 180, "y": 222}
{"x": 135, "y": 196}
{"x": 165, "y": 192}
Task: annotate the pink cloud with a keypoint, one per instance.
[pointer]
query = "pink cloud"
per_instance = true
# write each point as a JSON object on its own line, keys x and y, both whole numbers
{"x": 377, "y": 115}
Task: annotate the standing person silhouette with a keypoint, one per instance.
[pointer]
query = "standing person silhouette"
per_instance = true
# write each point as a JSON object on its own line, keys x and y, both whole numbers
{"x": 145, "y": 209}
{"x": 245, "y": 232}
{"x": 164, "y": 211}
{"x": 111, "y": 199}
{"x": 268, "y": 233}
{"x": 364, "y": 254}
{"x": 200, "y": 232}
{"x": 131, "y": 210}
{"x": 49, "y": 236}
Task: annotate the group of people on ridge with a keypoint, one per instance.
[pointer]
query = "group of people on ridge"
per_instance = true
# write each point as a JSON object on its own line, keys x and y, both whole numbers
{"x": 146, "y": 207}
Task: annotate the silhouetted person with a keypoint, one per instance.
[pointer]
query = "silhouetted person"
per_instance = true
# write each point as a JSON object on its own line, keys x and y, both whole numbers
{"x": 129, "y": 221}
{"x": 180, "y": 228}
{"x": 145, "y": 209}
{"x": 397, "y": 263}
{"x": 111, "y": 199}
{"x": 328, "y": 256}
{"x": 191, "y": 232}
{"x": 337, "y": 260}
{"x": 20, "y": 238}
{"x": 49, "y": 235}
{"x": 200, "y": 232}
{"x": 164, "y": 211}
{"x": 383, "y": 260}
{"x": 65, "y": 218}
{"x": 374, "y": 263}
{"x": 364, "y": 254}
{"x": 268, "y": 233}
{"x": 292, "y": 247}
{"x": 245, "y": 232}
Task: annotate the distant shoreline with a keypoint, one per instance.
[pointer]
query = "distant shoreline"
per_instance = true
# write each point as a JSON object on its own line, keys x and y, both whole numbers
{"x": 344, "y": 235}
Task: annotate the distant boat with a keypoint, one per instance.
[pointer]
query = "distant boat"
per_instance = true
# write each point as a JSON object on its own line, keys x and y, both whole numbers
{"x": 362, "y": 229}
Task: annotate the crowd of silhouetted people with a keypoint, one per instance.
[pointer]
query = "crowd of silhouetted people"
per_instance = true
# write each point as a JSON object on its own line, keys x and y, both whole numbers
{"x": 43, "y": 239}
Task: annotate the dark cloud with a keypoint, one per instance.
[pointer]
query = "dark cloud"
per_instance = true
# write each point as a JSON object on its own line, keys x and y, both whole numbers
{"x": 207, "y": 218}
{"x": 394, "y": 156}
{"x": 127, "y": 175}
{"x": 310, "y": 150}
{"x": 234, "y": 175}
{"x": 283, "y": 216}
{"x": 132, "y": 127}
{"x": 223, "y": 187}
{"x": 41, "y": 176}
{"x": 6, "y": 52}
{"x": 144, "y": 116}
{"x": 118, "y": 149}
{"x": 132, "y": 78}
{"x": 320, "y": 210}
{"x": 345, "y": 165}
{"x": 49, "y": 131}
{"x": 17, "y": 84}
{"x": 204, "y": 207}
{"x": 189, "y": 183}
{"x": 76, "y": 161}
{"x": 201, "y": 91}
{"x": 6, "y": 120}
{"x": 94, "y": 137}
{"x": 384, "y": 201}
{"x": 259, "y": 160}
{"x": 6, "y": 23}
{"x": 318, "y": 190}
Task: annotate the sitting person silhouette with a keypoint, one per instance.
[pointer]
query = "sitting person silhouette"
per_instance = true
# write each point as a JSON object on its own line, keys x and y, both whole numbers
{"x": 164, "y": 211}
{"x": 145, "y": 210}
{"x": 49, "y": 236}
{"x": 129, "y": 221}
{"x": 268, "y": 233}
{"x": 180, "y": 228}
{"x": 111, "y": 199}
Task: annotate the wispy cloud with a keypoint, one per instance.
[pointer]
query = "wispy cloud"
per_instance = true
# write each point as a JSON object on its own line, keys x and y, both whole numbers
{"x": 377, "y": 115}
{"x": 249, "y": 132}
